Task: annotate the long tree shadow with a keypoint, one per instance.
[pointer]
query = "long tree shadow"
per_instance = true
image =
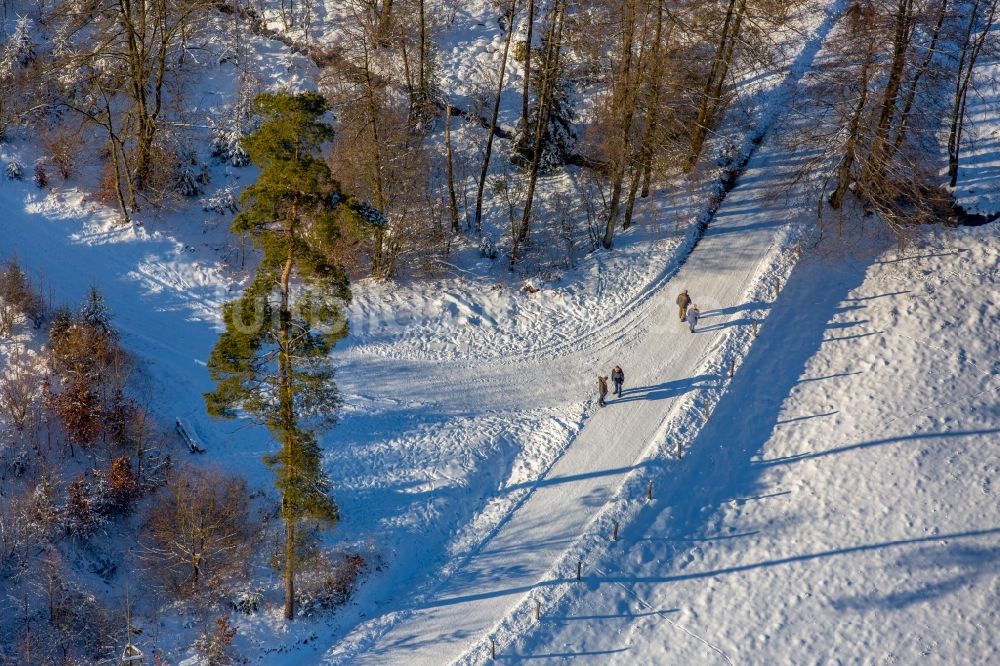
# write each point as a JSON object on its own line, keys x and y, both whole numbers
{"x": 556, "y": 480}
{"x": 720, "y": 466}
{"x": 978, "y": 562}
{"x": 934, "y": 561}
{"x": 982, "y": 561}
{"x": 876, "y": 442}
{"x": 720, "y": 462}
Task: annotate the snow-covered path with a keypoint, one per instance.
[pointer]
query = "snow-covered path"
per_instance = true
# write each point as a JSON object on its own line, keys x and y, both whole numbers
{"x": 535, "y": 544}
{"x": 663, "y": 361}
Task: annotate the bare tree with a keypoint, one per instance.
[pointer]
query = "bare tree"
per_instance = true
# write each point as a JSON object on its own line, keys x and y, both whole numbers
{"x": 19, "y": 388}
{"x": 548, "y": 75}
{"x": 980, "y": 19}
{"x": 509, "y": 16}
{"x": 198, "y": 530}
{"x": 711, "y": 96}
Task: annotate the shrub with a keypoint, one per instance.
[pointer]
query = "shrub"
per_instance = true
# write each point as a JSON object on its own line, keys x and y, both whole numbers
{"x": 81, "y": 520}
{"x": 248, "y": 602}
{"x": 16, "y": 292}
{"x": 62, "y": 148}
{"x": 19, "y": 383}
{"x": 327, "y": 581}
{"x": 487, "y": 248}
{"x": 123, "y": 485}
{"x": 198, "y": 533}
{"x": 216, "y": 645}
{"x": 79, "y": 410}
{"x": 41, "y": 178}
{"x": 14, "y": 170}
{"x": 222, "y": 201}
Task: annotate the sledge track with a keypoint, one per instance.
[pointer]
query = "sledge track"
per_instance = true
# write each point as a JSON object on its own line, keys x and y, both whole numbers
{"x": 492, "y": 579}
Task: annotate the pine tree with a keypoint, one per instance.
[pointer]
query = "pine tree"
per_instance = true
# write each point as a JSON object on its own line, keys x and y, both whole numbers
{"x": 272, "y": 359}
{"x": 95, "y": 312}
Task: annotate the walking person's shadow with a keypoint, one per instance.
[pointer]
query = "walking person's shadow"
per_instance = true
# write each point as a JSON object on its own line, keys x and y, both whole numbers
{"x": 663, "y": 391}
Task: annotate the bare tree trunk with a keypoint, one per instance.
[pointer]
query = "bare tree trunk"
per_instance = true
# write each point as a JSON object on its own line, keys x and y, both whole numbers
{"x": 550, "y": 71}
{"x": 527, "y": 67}
{"x": 911, "y": 93}
{"x": 844, "y": 169}
{"x": 372, "y": 108}
{"x": 452, "y": 199}
{"x": 653, "y": 103}
{"x": 644, "y": 167}
{"x": 385, "y": 19}
{"x": 712, "y": 93}
{"x": 624, "y": 107}
{"x": 286, "y": 396}
{"x": 422, "y": 75}
{"x": 410, "y": 91}
{"x": 963, "y": 78}
{"x": 494, "y": 117}
{"x": 875, "y": 166}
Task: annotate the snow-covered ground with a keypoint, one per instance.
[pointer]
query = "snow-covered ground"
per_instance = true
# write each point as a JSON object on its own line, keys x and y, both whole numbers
{"x": 840, "y": 504}
{"x": 836, "y": 499}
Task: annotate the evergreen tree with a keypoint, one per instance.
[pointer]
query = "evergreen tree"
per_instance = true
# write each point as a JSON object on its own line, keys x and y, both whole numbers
{"x": 94, "y": 312}
{"x": 559, "y": 135}
{"x": 272, "y": 359}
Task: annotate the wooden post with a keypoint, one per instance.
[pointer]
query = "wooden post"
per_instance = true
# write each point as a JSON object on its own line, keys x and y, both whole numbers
{"x": 579, "y": 568}
{"x": 538, "y": 611}
{"x": 493, "y": 648}
{"x": 614, "y": 530}
{"x": 777, "y": 286}
{"x": 755, "y": 329}
{"x": 678, "y": 449}
{"x": 732, "y": 368}
{"x": 649, "y": 490}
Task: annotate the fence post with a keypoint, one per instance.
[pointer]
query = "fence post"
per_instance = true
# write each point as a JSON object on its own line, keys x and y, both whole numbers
{"x": 678, "y": 449}
{"x": 614, "y": 530}
{"x": 732, "y": 368}
{"x": 649, "y": 490}
{"x": 579, "y": 568}
{"x": 798, "y": 249}
{"x": 756, "y": 330}
{"x": 538, "y": 611}
{"x": 777, "y": 286}
{"x": 493, "y": 648}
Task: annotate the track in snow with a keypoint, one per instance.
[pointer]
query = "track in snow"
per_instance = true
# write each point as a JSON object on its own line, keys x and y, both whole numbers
{"x": 662, "y": 362}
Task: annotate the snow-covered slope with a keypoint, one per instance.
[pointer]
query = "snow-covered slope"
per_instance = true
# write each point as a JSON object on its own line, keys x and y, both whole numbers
{"x": 840, "y": 504}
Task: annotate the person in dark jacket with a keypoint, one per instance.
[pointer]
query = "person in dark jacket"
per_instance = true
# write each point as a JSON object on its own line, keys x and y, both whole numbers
{"x": 618, "y": 378}
{"x": 602, "y": 389}
{"x": 683, "y": 301}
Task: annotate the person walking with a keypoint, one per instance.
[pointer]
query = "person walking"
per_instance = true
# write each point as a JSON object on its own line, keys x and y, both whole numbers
{"x": 692, "y": 316}
{"x": 683, "y": 301}
{"x": 602, "y": 389}
{"x": 618, "y": 378}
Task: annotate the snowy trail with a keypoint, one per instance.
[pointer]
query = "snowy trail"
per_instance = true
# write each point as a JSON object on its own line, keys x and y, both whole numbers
{"x": 663, "y": 362}
{"x": 663, "y": 365}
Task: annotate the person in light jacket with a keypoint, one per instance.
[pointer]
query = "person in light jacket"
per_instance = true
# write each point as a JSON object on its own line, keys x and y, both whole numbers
{"x": 692, "y": 316}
